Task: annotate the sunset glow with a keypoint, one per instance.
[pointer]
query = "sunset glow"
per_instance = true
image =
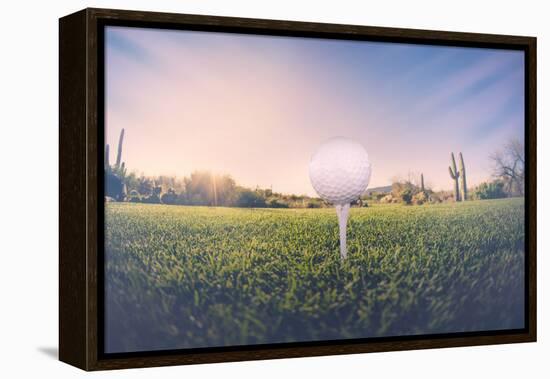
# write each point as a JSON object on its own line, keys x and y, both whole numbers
{"x": 255, "y": 107}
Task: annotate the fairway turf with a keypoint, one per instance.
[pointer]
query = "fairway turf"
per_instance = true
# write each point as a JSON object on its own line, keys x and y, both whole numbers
{"x": 187, "y": 277}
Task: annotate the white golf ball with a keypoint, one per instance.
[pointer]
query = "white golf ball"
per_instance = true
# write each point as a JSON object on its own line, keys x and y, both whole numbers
{"x": 340, "y": 170}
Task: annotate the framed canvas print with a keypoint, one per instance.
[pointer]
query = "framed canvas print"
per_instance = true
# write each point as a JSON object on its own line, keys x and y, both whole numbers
{"x": 237, "y": 189}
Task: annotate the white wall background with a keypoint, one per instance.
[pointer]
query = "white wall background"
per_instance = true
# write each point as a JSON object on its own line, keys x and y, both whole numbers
{"x": 28, "y": 190}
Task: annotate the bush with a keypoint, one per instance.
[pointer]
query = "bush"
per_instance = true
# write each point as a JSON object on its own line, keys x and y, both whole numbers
{"x": 435, "y": 198}
{"x": 379, "y": 196}
{"x": 406, "y": 195}
{"x": 114, "y": 186}
{"x": 275, "y": 203}
{"x": 314, "y": 203}
{"x": 169, "y": 197}
{"x": 493, "y": 190}
{"x": 403, "y": 191}
{"x": 134, "y": 197}
{"x": 388, "y": 199}
{"x": 420, "y": 198}
{"x": 250, "y": 199}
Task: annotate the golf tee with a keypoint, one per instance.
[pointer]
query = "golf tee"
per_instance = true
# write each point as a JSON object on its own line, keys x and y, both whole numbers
{"x": 342, "y": 210}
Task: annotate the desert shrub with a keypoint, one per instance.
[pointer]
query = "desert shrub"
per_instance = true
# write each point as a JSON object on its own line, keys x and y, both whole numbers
{"x": 387, "y": 199}
{"x": 435, "y": 198}
{"x": 134, "y": 196}
{"x": 446, "y": 196}
{"x": 406, "y": 195}
{"x": 420, "y": 198}
{"x": 250, "y": 199}
{"x": 493, "y": 190}
{"x": 276, "y": 203}
{"x": 145, "y": 186}
{"x": 170, "y": 197}
{"x": 404, "y": 191}
{"x": 114, "y": 186}
{"x": 314, "y": 204}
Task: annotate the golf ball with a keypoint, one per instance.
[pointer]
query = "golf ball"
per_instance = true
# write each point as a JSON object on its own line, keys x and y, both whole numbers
{"x": 340, "y": 170}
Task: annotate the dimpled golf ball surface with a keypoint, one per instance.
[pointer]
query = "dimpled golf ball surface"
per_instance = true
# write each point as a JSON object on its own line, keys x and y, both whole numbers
{"x": 340, "y": 170}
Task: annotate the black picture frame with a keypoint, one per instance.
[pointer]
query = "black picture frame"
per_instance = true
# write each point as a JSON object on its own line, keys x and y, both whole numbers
{"x": 81, "y": 80}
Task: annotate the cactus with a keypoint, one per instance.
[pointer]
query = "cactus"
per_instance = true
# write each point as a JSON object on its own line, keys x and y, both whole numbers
{"x": 115, "y": 186}
{"x": 107, "y": 164}
{"x": 422, "y": 183}
{"x": 459, "y": 176}
{"x": 119, "y": 151}
{"x": 455, "y": 174}
{"x": 463, "y": 187}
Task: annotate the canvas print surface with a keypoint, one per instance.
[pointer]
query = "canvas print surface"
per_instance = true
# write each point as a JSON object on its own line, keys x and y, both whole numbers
{"x": 265, "y": 190}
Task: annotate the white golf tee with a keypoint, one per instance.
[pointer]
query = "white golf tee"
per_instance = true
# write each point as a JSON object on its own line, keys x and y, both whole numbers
{"x": 342, "y": 210}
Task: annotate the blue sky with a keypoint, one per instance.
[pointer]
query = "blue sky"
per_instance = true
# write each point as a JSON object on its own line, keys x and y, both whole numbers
{"x": 256, "y": 107}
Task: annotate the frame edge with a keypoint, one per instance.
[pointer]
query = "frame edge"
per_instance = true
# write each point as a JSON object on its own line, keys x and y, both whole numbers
{"x": 72, "y": 192}
{"x": 531, "y": 130}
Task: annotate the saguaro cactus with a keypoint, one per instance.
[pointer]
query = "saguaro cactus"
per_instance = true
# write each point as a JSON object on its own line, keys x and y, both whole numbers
{"x": 107, "y": 164}
{"x": 463, "y": 187}
{"x": 119, "y": 151}
{"x": 114, "y": 175}
{"x": 460, "y": 190}
{"x": 455, "y": 175}
{"x": 422, "y": 183}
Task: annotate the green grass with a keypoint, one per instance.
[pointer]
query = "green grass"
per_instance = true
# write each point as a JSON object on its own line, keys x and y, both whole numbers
{"x": 183, "y": 277}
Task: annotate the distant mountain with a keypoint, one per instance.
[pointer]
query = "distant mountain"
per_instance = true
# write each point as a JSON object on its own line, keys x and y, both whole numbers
{"x": 384, "y": 189}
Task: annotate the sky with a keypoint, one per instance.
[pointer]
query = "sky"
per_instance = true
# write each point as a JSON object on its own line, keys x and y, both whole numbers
{"x": 257, "y": 107}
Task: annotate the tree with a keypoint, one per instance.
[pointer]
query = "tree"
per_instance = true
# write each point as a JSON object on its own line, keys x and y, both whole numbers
{"x": 225, "y": 190}
{"x": 509, "y": 167}
{"x": 493, "y": 190}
